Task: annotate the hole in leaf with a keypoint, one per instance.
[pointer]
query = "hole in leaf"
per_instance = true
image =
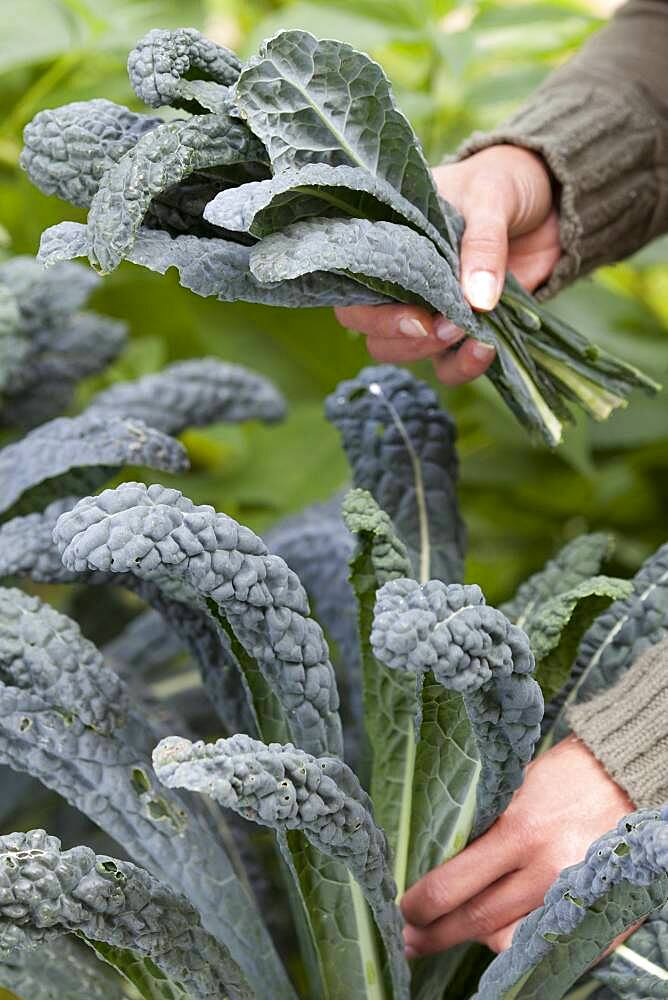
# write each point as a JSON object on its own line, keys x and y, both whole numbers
{"x": 140, "y": 781}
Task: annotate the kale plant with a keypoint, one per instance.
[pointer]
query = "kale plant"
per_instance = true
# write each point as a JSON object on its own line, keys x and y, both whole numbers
{"x": 320, "y": 783}
{"x": 294, "y": 180}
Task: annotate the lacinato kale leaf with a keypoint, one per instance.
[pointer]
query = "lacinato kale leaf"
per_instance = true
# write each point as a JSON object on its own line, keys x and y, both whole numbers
{"x": 623, "y": 878}
{"x": 159, "y": 160}
{"x": 388, "y": 258}
{"x": 68, "y": 720}
{"x": 68, "y": 150}
{"x": 64, "y": 969}
{"x": 628, "y": 627}
{"x": 157, "y": 534}
{"x": 72, "y": 455}
{"x": 576, "y": 562}
{"x": 400, "y": 444}
{"x": 556, "y": 628}
{"x": 27, "y": 549}
{"x": 164, "y": 67}
{"x": 46, "y": 344}
{"x": 474, "y": 650}
{"x": 321, "y": 101}
{"x": 317, "y": 545}
{"x": 213, "y": 267}
{"x": 638, "y": 968}
{"x": 193, "y": 394}
{"x": 285, "y": 788}
{"x": 47, "y": 892}
{"x": 318, "y": 189}
{"x": 304, "y": 149}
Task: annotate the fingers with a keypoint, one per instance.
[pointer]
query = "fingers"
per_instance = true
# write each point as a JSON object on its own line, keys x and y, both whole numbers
{"x": 407, "y": 322}
{"x": 532, "y": 257}
{"x": 484, "y": 250}
{"x": 482, "y": 918}
{"x": 471, "y": 360}
{"x": 452, "y": 884}
{"x": 501, "y": 940}
{"x": 400, "y": 333}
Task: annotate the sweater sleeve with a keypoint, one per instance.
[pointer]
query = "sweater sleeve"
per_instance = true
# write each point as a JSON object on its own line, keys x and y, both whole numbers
{"x": 601, "y": 124}
{"x": 626, "y": 728}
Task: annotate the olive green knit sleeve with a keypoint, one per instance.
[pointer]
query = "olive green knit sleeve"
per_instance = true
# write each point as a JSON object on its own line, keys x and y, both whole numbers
{"x": 601, "y": 124}
{"x": 626, "y": 728}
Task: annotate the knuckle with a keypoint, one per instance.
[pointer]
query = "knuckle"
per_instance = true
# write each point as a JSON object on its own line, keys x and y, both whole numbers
{"x": 481, "y": 918}
{"x": 435, "y": 894}
{"x": 485, "y": 244}
{"x": 520, "y": 828}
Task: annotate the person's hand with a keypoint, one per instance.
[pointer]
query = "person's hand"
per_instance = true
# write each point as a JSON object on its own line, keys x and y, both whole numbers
{"x": 567, "y": 801}
{"x": 505, "y": 196}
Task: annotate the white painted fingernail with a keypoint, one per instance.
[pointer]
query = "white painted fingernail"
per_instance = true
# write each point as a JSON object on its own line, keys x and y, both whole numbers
{"x": 447, "y": 332}
{"x": 481, "y": 288}
{"x": 480, "y": 351}
{"x": 412, "y": 328}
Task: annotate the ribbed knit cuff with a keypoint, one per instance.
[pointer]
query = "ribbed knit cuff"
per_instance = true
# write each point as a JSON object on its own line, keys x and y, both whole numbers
{"x": 601, "y": 147}
{"x": 626, "y": 728}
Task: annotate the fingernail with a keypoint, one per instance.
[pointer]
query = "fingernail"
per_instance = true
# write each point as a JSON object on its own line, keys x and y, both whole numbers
{"x": 481, "y": 288}
{"x": 410, "y": 952}
{"x": 446, "y": 331}
{"x": 412, "y": 328}
{"x": 480, "y": 351}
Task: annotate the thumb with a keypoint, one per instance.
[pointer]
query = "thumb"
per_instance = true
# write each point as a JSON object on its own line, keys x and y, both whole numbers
{"x": 484, "y": 255}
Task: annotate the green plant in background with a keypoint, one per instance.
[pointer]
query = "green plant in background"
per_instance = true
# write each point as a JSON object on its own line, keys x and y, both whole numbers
{"x": 451, "y": 713}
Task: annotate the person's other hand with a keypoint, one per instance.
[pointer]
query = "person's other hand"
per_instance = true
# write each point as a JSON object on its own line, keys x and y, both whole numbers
{"x": 505, "y": 196}
{"x": 567, "y": 801}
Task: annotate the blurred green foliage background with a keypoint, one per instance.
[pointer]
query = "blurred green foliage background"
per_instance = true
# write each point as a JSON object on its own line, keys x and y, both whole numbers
{"x": 456, "y": 66}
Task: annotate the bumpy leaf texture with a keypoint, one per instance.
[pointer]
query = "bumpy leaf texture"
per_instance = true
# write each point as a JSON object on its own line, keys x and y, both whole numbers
{"x": 74, "y": 455}
{"x": 158, "y": 534}
{"x": 576, "y": 562}
{"x": 401, "y": 447}
{"x": 13, "y": 346}
{"x": 47, "y": 892}
{"x": 213, "y": 267}
{"x": 623, "y": 878}
{"x": 472, "y": 649}
{"x": 317, "y": 545}
{"x": 61, "y": 970}
{"x": 193, "y": 394}
{"x": 619, "y": 636}
{"x": 67, "y": 150}
{"x": 557, "y": 626}
{"x": 317, "y": 189}
{"x": 287, "y": 789}
{"x": 66, "y": 719}
{"x": 639, "y": 969}
{"x": 27, "y": 549}
{"x": 159, "y": 160}
{"x": 164, "y": 68}
{"x": 387, "y": 257}
{"x": 314, "y": 101}
{"x": 50, "y": 345}
{"x": 43, "y": 652}
{"x": 46, "y": 298}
